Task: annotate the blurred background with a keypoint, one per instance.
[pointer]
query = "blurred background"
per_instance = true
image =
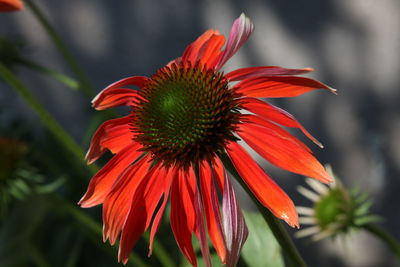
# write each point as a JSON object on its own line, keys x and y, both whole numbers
{"x": 352, "y": 45}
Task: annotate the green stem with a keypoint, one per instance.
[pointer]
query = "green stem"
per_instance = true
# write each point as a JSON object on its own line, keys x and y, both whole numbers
{"x": 37, "y": 256}
{"x": 84, "y": 81}
{"x": 52, "y": 125}
{"x": 385, "y": 237}
{"x": 160, "y": 252}
{"x": 276, "y": 227}
{"x": 71, "y": 83}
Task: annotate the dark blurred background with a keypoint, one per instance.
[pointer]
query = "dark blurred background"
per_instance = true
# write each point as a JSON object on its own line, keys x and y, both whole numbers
{"x": 352, "y": 44}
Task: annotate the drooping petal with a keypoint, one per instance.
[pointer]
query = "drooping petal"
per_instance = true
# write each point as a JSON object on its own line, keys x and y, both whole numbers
{"x": 191, "y": 53}
{"x": 113, "y": 135}
{"x": 262, "y": 186}
{"x": 115, "y": 95}
{"x": 279, "y": 86}
{"x": 252, "y": 72}
{"x": 10, "y": 5}
{"x": 167, "y": 181}
{"x": 282, "y": 152}
{"x": 101, "y": 183}
{"x": 235, "y": 228}
{"x": 144, "y": 202}
{"x": 219, "y": 173}
{"x": 183, "y": 216}
{"x": 211, "y": 209}
{"x": 118, "y": 202}
{"x": 275, "y": 114}
{"x": 250, "y": 118}
{"x": 200, "y": 229}
{"x": 241, "y": 30}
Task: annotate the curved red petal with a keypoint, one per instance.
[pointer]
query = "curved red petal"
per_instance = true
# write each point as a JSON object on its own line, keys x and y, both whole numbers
{"x": 113, "y": 135}
{"x": 170, "y": 176}
{"x": 183, "y": 216}
{"x": 262, "y": 186}
{"x": 100, "y": 185}
{"x": 191, "y": 53}
{"x": 282, "y": 152}
{"x": 275, "y": 114}
{"x": 241, "y": 30}
{"x": 250, "y": 118}
{"x": 116, "y": 97}
{"x": 211, "y": 51}
{"x": 211, "y": 209}
{"x": 118, "y": 202}
{"x": 218, "y": 171}
{"x": 200, "y": 229}
{"x": 10, "y": 5}
{"x": 143, "y": 204}
{"x": 252, "y": 72}
{"x": 279, "y": 86}
{"x": 113, "y": 95}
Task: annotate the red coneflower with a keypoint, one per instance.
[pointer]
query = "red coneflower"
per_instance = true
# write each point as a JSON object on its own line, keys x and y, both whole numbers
{"x": 183, "y": 119}
{"x": 10, "y": 5}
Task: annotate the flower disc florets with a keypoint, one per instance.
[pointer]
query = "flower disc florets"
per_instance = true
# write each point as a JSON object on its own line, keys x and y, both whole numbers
{"x": 185, "y": 114}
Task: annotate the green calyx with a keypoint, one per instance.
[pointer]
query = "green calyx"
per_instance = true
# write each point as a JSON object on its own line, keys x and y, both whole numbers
{"x": 332, "y": 208}
{"x": 185, "y": 114}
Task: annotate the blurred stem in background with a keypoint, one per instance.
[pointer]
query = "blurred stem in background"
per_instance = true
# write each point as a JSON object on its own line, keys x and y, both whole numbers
{"x": 51, "y": 124}
{"x": 68, "y": 81}
{"x": 84, "y": 83}
{"x": 385, "y": 237}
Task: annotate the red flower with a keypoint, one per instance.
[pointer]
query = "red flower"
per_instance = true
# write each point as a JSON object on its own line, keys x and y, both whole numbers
{"x": 183, "y": 119}
{"x": 10, "y": 5}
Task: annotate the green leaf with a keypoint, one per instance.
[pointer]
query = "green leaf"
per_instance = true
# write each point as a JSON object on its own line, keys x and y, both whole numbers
{"x": 261, "y": 249}
{"x": 215, "y": 261}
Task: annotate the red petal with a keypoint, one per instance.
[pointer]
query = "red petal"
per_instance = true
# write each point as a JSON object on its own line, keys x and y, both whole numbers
{"x": 113, "y": 135}
{"x": 282, "y": 152}
{"x": 191, "y": 53}
{"x": 241, "y": 30}
{"x": 113, "y": 95}
{"x": 211, "y": 50}
{"x": 211, "y": 209}
{"x": 246, "y": 73}
{"x": 277, "y": 129}
{"x": 279, "y": 86}
{"x": 10, "y": 5}
{"x": 200, "y": 229}
{"x": 157, "y": 219}
{"x": 219, "y": 173}
{"x": 275, "y": 114}
{"x": 118, "y": 202}
{"x": 262, "y": 186}
{"x": 101, "y": 183}
{"x": 235, "y": 228}
{"x": 183, "y": 215}
{"x": 143, "y": 204}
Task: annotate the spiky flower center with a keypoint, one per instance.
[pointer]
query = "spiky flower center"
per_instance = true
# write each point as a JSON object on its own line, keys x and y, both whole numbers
{"x": 185, "y": 114}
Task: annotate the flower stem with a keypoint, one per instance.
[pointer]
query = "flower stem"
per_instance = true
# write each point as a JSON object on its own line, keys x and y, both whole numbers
{"x": 385, "y": 237}
{"x": 280, "y": 233}
{"x": 85, "y": 85}
{"x": 52, "y": 125}
{"x": 68, "y": 81}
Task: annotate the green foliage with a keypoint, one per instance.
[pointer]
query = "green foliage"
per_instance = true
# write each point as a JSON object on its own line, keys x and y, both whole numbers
{"x": 261, "y": 248}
